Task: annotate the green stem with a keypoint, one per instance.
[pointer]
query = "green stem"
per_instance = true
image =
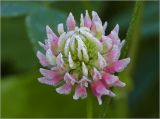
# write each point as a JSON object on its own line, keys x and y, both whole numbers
{"x": 132, "y": 36}
{"x": 89, "y": 106}
{"x": 105, "y": 107}
{"x": 133, "y": 30}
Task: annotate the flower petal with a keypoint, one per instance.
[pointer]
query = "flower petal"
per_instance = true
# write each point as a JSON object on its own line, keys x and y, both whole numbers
{"x": 101, "y": 61}
{"x": 51, "y": 35}
{"x": 52, "y": 82}
{"x": 65, "y": 89}
{"x": 52, "y": 41}
{"x": 99, "y": 100}
{"x": 85, "y": 54}
{"x": 66, "y": 47}
{"x": 50, "y": 57}
{"x": 70, "y": 22}
{"x": 84, "y": 69}
{"x": 111, "y": 80}
{"x": 80, "y": 91}
{"x": 47, "y": 81}
{"x": 96, "y": 74}
{"x": 104, "y": 27}
{"x": 81, "y": 21}
{"x": 60, "y": 28}
{"x": 98, "y": 86}
{"x": 81, "y": 48}
{"x": 42, "y": 59}
{"x": 122, "y": 44}
{"x": 60, "y": 62}
{"x": 114, "y": 35}
{"x": 101, "y": 90}
{"x": 116, "y": 28}
{"x": 113, "y": 55}
{"x": 98, "y": 89}
{"x": 87, "y": 20}
{"x": 42, "y": 45}
{"x": 61, "y": 41}
{"x": 118, "y": 66}
{"x": 97, "y": 29}
{"x": 51, "y": 74}
{"x": 95, "y": 18}
{"x": 107, "y": 43}
{"x": 84, "y": 81}
{"x": 91, "y": 38}
{"x": 119, "y": 83}
{"x": 72, "y": 65}
{"x": 69, "y": 79}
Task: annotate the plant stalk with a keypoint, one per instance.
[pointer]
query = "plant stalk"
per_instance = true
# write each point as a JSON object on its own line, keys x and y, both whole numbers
{"x": 89, "y": 106}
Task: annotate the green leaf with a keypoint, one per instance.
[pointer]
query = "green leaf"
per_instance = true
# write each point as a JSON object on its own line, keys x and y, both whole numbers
{"x": 23, "y": 96}
{"x": 13, "y": 9}
{"x": 36, "y": 24}
{"x": 17, "y": 52}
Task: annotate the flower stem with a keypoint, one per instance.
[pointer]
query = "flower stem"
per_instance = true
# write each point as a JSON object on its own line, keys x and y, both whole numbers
{"x": 89, "y": 106}
{"x": 134, "y": 27}
{"x": 133, "y": 33}
{"x": 105, "y": 107}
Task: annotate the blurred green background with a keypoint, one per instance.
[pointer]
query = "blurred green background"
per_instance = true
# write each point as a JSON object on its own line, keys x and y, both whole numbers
{"x": 23, "y": 24}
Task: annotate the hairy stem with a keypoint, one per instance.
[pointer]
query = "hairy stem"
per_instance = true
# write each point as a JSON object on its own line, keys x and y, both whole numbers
{"x": 132, "y": 36}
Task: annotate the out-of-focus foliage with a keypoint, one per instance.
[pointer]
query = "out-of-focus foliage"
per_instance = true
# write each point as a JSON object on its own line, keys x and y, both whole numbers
{"x": 17, "y": 53}
{"x": 15, "y": 9}
{"x": 23, "y": 24}
{"x": 36, "y": 24}
{"x": 25, "y": 96}
{"x": 149, "y": 23}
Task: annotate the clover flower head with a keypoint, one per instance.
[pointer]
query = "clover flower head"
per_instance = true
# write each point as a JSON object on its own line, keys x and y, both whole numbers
{"x": 82, "y": 57}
